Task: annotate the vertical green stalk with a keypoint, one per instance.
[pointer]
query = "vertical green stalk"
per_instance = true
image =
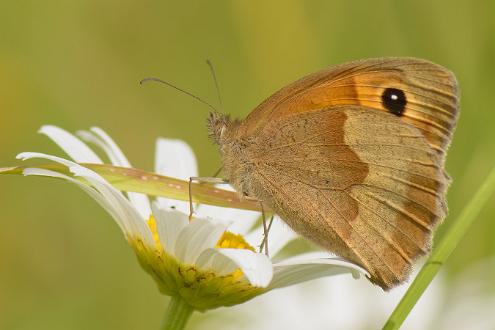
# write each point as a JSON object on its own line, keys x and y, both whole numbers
{"x": 177, "y": 314}
{"x": 441, "y": 252}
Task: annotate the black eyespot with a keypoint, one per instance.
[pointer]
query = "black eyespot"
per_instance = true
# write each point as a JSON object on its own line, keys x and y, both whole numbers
{"x": 394, "y": 100}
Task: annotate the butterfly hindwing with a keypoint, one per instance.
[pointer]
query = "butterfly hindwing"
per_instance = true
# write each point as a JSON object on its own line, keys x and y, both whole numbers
{"x": 359, "y": 183}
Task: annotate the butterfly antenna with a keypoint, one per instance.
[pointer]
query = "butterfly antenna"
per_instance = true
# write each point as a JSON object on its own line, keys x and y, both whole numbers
{"x": 213, "y": 74}
{"x": 177, "y": 88}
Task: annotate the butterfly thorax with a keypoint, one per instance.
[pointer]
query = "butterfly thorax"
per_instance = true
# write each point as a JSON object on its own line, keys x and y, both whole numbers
{"x": 235, "y": 151}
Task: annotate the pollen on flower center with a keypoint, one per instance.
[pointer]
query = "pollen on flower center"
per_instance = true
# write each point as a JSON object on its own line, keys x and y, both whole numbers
{"x": 230, "y": 240}
{"x": 154, "y": 232}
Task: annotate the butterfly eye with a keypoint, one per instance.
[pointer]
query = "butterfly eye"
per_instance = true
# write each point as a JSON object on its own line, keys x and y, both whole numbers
{"x": 394, "y": 100}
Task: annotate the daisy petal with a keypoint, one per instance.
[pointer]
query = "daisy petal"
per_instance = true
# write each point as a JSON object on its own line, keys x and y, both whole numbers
{"x": 278, "y": 237}
{"x": 214, "y": 260}
{"x": 90, "y": 191}
{"x": 72, "y": 146}
{"x": 242, "y": 220}
{"x": 141, "y": 202}
{"x": 175, "y": 158}
{"x": 169, "y": 225}
{"x": 117, "y": 154}
{"x": 91, "y": 138}
{"x": 197, "y": 236}
{"x": 256, "y": 267}
{"x": 30, "y": 155}
{"x": 133, "y": 223}
{"x": 288, "y": 273}
{"x": 122, "y": 205}
{"x": 173, "y": 204}
{"x": 117, "y": 157}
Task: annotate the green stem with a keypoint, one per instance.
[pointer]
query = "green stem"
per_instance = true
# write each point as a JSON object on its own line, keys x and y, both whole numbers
{"x": 441, "y": 252}
{"x": 177, "y": 315}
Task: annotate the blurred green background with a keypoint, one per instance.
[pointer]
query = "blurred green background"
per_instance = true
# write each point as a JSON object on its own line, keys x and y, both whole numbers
{"x": 76, "y": 64}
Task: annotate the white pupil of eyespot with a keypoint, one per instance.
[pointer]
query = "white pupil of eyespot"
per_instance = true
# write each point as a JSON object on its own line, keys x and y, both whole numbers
{"x": 394, "y": 97}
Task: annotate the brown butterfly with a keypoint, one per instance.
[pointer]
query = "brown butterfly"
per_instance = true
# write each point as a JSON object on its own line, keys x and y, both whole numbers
{"x": 352, "y": 158}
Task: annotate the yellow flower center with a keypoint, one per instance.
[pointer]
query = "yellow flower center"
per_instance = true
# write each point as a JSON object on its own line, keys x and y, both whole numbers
{"x": 230, "y": 240}
{"x": 154, "y": 232}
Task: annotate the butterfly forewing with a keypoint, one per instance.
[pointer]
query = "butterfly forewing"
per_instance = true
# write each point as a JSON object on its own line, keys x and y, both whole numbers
{"x": 430, "y": 91}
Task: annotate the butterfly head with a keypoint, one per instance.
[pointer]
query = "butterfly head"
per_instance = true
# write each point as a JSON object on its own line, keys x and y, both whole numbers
{"x": 220, "y": 127}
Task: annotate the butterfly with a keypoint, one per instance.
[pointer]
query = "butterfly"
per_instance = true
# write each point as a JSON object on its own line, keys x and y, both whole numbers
{"x": 352, "y": 158}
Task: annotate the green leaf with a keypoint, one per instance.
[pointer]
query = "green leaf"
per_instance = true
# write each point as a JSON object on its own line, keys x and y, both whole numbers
{"x": 136, "y": 180}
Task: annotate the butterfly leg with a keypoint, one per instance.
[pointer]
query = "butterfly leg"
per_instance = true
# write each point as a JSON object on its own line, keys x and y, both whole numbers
{"x": 201, "y": 180}
{"x": 266, "y": 230}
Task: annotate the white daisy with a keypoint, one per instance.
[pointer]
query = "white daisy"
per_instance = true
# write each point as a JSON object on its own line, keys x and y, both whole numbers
{"x": 207, "y": 262}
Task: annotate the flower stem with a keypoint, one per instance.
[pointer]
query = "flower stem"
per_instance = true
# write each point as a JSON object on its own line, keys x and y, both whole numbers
{"x": 441, "y": 252}
{"x": 177, "y": 314}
